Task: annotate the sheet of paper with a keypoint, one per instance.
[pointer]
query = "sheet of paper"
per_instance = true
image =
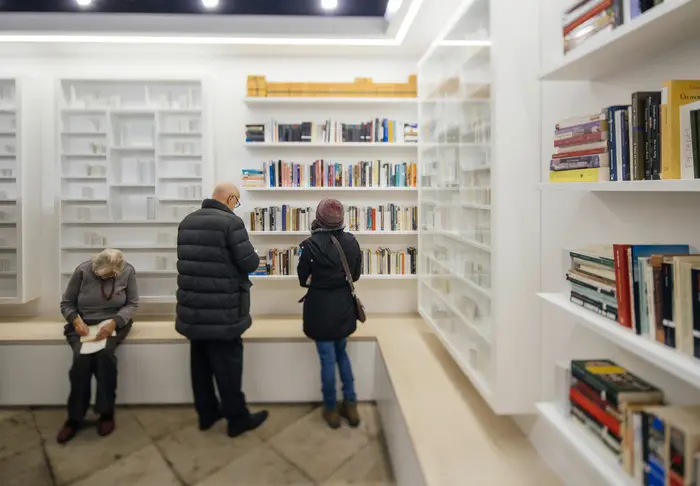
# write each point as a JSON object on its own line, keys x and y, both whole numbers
{"x": 89, "y": 345}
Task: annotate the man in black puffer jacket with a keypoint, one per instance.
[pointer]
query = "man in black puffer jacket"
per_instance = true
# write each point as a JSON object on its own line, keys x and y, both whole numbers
{"x": 215, "y": 258}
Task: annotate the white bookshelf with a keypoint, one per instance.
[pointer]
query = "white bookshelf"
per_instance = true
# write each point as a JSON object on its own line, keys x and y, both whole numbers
{"x": 377, "y": 296}
{"x": 603, "y": 71}
{"x": 132, "y": 164}
{"x": 660, "y": 29}
{"x": 455, "y": 163}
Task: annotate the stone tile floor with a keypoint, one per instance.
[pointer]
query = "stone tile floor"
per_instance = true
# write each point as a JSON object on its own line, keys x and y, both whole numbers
{"x": 161, "y": 446}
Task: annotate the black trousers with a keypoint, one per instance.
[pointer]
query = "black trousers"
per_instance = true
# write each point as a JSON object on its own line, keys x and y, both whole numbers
{"x": 102, "y": 365}
{"x": 221, "y": 361}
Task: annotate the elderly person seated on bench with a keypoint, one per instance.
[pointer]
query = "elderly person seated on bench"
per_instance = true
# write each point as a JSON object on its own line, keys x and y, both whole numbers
{"x": 99, "y": 291}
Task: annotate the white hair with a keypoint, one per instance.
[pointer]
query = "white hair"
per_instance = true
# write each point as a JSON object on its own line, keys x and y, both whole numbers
{"x": 108, "y": 262}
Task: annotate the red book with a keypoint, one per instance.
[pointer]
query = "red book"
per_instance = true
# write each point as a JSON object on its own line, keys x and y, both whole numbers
{"x": 581, "y": 139}
{"x": 622, "y": 285}
{"x": 603, "y": 418}
{"x": 580, "y": 153}
{"x": 588, "y": 15}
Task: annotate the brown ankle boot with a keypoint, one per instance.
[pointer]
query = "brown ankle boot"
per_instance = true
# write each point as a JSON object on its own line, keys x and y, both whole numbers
{"x": 348, "y": 410}
{"x": 331, "y": 417}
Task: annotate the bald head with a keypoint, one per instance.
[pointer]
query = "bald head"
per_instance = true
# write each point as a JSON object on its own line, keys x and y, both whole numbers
{"x": 227, "y": 193}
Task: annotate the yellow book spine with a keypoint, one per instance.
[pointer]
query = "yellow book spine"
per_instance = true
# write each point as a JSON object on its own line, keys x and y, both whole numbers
{"x": 580, "y": 175}
{"x": 675, "y": 94}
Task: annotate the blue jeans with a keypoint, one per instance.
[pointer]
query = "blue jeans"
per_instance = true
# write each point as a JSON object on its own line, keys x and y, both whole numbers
{"x": 332, "y": 353}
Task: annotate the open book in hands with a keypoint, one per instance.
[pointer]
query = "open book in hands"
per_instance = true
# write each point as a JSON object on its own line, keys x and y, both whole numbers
{"x": 90, "y": 345}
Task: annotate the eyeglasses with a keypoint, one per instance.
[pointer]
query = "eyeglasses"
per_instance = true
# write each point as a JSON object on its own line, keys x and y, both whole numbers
{"x": 238, "y": 201}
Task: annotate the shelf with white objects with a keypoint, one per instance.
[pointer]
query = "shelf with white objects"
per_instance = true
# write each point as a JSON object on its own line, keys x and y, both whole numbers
{"x": 132, "y": 165}
{"x": 18, "y": 239}
{"x": 455, "y": 213}
{"x": 332, "y": 189}
{"x": 656, "y": 30}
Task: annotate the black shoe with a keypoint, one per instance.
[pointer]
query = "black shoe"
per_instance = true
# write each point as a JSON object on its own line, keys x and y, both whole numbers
{"x": 206, "y": 423}
{"x": 68, "y": 431}
{"x": 254, "y": 421}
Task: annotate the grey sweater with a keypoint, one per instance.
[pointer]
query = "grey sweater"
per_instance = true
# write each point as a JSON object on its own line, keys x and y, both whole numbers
{"x": 84, "y": 296}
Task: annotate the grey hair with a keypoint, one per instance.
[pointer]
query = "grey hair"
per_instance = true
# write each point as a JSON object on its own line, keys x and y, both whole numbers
{"x": 108, "y": 261}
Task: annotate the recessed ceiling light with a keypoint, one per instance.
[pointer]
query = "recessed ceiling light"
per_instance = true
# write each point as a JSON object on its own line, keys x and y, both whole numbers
{"x": 83, "y": 3}
{"x": 329, "y": 4}
{"x": 210, "y": 4}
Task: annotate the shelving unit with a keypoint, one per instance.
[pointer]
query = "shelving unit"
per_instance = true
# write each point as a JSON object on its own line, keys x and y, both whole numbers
{"x": 18, "y": 238}
{"x": 455, "y": 195}
{"x": 636, "y": 56}
{"x": 133, "y": 159}
{"x": 400, "y": 294}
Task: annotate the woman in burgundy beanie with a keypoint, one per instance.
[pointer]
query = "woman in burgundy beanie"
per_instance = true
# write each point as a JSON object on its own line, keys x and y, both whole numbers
{"x": 330, "y": 314}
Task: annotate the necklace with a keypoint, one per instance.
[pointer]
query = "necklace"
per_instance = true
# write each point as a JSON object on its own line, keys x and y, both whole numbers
{"x": 102, "y": 289}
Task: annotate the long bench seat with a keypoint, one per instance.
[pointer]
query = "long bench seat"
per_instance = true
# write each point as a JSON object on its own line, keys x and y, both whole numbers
{"x": 439, "y": 431}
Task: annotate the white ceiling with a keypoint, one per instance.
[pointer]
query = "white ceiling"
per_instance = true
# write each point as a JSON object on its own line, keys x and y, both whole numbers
{"x": 408, "y": 33}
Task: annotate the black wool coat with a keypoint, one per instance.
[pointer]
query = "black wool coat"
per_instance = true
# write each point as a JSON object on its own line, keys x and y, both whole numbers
{"x": 215, "y": 257}
{"x": 329, "y": 309}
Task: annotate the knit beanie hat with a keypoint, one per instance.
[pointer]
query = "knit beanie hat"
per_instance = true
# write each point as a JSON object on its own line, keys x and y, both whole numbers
{"x": 330, "y": 214}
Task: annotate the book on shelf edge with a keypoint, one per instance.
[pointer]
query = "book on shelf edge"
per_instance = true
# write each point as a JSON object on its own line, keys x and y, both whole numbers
{"x": 615, "y": 384}
{"x": 595, "y": 397}
{"x": 582, "y": 162}
{"x": 695, "y": 289}
{"x": 622, "y": 286}
{"x": 599, "y": 254}
{"x": 598, "y": 414}
{"x": 600, "y": 174}
{"x": 675, "y": 94}
{"x": 583, "y": 138}
{"x": 683, "y": 265}
{"x": 612, "y": 138}
{"x": 591, "y": 283}
{"x": 598, "y": 430}
{"x": 608, "y": 312}
{"x": 688, "y": 148}
{"x": 601, "y": 7}
{"x": 638, "y": 130}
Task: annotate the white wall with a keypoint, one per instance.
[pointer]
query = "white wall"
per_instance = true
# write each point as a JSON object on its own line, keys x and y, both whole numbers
{"x": 225, "y": 87}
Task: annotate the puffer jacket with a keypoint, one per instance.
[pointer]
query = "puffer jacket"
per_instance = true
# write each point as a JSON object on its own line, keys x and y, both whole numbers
{"x": 329, "y": 308}
{"x": 215, "y": 258}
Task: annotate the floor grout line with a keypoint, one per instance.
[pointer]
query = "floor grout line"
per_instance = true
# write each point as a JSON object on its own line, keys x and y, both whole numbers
{"x": 47, "y": 460}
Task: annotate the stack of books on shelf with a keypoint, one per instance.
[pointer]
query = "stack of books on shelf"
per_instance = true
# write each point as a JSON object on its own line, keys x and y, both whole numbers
{"x": 385, "y": 261}
{"x": 279, "y": 261}
{"x": 654, "y": 290}
{"x": 586, "y": 18}
{"x": 378, "y": 130}
{"x": 258, "y": 86}
{"x": 633, "y": 142}
{"x": 324, "y": 173}
{"x": 389, "y": 217}
{"x": 609, "y": 401}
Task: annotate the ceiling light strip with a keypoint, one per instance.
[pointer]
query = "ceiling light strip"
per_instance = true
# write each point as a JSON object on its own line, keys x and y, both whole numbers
{"x": 202, "y": 40}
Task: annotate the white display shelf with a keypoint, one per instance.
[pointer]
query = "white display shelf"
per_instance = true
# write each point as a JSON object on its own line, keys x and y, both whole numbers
{"x": 308, "y": 233}
{"x": 343, "y": 145}
{"x": 455, "y": 157}
{"x": 132, "y": 160}
{"x": 590, "y": 450}
{"x": 659, "y": 29}
{"x": 670, "y": 360}
{"x": 281, "y": 101}
{"x": 474, "y": 376}
{"x": 690, "y": 185}
{"x": 332, "y": 189}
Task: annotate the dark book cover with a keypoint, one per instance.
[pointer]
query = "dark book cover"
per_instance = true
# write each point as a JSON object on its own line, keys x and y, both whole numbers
{"x": 615, "y": 384}
{"x": 667, "y": 304}
{"x": 695, "y": 288}
{"x": 625, "y": 176}
{"x": 611, "y": 442}
{"x": 655, "y": 135}
{"x": 656, "y": 458}
{"x": 647, "y": 138}
{"x": 695, "y": 134}
{"x": 638, "y": 133}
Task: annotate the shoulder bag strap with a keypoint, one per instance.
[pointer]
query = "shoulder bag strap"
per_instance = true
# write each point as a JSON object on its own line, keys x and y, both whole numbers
{"x": 344, "y": 261}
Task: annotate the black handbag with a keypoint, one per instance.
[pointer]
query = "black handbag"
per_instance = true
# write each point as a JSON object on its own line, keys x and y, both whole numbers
{"x": 361, "y": 314}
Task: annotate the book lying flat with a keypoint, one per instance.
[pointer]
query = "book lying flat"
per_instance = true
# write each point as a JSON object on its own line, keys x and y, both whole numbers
{"x": 89, "y": 343}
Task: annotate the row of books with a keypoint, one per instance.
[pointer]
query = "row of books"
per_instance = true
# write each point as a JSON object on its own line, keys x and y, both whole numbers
{"x": 378, "y": 130}
{"x": 633, "y": 142}
{"x": 379, "y": 261}
{"x": 323, "y": 173}
{"x": 587, "y": 18}
{"x": 386, "y": 218}
{"x": 360, "y": 87}
{"x": 656, "y": 444}
{"x": 653, "y": 290}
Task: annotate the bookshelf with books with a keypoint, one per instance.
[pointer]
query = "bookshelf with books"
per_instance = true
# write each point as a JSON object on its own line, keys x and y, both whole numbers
{"x": 618, "y": 224}
{"x": 132, "y": 158}
{"x": 18, "y": 237}
{"x": 361, "y": 151}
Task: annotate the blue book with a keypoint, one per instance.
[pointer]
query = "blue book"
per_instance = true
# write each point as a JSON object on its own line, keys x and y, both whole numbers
{"x": 635, "y": 8}
{"x": 611, "y": 144}
{"x": 625, "y": 146}
{"x": 637, "y": 252}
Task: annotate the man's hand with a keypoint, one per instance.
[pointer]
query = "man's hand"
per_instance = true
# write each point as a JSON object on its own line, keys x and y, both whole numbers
{"x": 80, "y": 327}
{"x": 106, "y": 330}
